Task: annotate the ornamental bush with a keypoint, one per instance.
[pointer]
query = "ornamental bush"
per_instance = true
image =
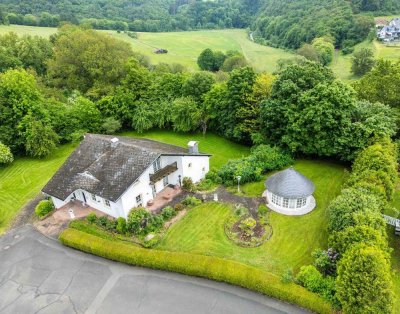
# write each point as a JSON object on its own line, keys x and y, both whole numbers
{"x": 344, "y": 240}
{"x": 5, "y": 154}
{"x": 187, "y": 184}
{"x": 168, "y": 212}
{"x": 191, "y": 201}
{"x": 136, "y": 220}
{"x": 43, "y": 208}
{"x": 91, "y": 218}
{"x": 121, "y": 225}
{"x": 363, "y": 284}
{"x": 262, "y": 159}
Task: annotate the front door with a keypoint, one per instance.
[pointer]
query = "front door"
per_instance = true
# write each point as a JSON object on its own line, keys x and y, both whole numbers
{"x": 153, "y": 188}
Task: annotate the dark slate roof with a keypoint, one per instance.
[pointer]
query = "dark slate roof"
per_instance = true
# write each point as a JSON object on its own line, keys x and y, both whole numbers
{"x": 107, "y": 170}
{"x": 290, "y": 184}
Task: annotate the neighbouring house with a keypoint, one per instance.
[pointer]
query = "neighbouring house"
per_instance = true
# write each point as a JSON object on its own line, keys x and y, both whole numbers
{"x": 390, "y": 32}
{"x": 290, "y": 193}
{"x": 116, "y": 174}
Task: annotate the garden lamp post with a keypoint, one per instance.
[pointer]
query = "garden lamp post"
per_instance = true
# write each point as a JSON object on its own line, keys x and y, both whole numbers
{"x": 238, "y": 179}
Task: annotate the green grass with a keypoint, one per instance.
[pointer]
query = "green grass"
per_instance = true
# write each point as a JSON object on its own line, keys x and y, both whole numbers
{"x": 185, "y": 47}
{"x": 294, "y": 238}
{"x": 23, "y": 179}
{"x": 221, "y": 149}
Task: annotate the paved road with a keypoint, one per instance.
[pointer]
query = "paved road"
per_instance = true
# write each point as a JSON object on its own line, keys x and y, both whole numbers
{"x": 38, "y": 275}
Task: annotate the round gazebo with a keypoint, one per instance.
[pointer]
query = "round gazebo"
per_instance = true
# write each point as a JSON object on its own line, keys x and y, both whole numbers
{"x": 290, "y": 193}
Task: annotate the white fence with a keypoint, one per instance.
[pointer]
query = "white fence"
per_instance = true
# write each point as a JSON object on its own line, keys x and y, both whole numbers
{"x": 391, "y": 221}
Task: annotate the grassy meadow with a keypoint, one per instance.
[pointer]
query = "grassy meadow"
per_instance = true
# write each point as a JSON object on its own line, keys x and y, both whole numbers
{"x": 25, "y": 177}
{"x": 201, "y": 231}
{"x": 185, "y": 47}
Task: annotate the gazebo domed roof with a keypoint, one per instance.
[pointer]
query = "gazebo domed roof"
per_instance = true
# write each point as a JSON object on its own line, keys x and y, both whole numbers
{"x": 290, "y": 184}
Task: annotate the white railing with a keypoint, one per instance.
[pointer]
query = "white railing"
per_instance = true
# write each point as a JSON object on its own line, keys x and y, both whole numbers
{"x": 391, "y": 221}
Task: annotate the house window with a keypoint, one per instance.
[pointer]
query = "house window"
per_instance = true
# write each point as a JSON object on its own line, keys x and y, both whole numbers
{"x": 107, "y": 203}
{"x": 165, "y": 181}
{"x": 157, "y": 165}
{"x": 204, "y": 169}
{"x": 299, "y": 202}
{"x": 94, "y": 198}
{"x": 190, "y": 165}
{"x": 285, "y": 202}
{"x": 139, "y": 200}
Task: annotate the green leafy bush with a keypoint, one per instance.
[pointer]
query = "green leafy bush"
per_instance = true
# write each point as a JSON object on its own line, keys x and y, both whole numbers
{"x": 364, "y": 283}
{"x": 91, "y": 218}
{"x": 168, "y": 212}
{"x": 191, "y": 201}
{"x": 214, "y": 177}
{"x": 262, "y": 210}
{"x": 136, "y": 220}
{"x": 43, "y": 208}
{"x": 262, "y": 159}
{"x": 121, "y": 225}
{"x": 210, "y": 267}
{"x": 310, "y": 278}
{"x": 6, "y": 155}
{"x": 188, "y": 185}
{"x": 102, "y": 221}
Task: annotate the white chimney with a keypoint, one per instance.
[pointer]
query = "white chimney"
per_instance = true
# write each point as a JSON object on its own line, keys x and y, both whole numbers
{"x": 114, "y": 142}
{"x": 193, "y": 147}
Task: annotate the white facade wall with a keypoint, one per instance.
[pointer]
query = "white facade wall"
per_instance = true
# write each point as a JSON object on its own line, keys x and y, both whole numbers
{"x": 113, "y": 210}
{"x": 195, "y": 167}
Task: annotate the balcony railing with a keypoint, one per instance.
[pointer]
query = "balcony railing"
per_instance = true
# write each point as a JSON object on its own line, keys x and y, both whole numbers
{"x": 163, "y": 172}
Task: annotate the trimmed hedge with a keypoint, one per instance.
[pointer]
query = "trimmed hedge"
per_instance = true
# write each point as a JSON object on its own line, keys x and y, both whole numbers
{"x": 210, "y": 267}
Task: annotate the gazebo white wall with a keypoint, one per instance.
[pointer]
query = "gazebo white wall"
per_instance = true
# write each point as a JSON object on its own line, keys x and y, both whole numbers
{"x": 289, "y": 206}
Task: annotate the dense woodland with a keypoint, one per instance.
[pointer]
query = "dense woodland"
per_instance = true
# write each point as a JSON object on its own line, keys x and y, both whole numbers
{"x": 54, "y": 91}
{"x": 280, "y": 23}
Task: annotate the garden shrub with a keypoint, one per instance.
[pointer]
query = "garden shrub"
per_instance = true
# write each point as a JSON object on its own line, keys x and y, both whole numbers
{"x": 262, "y": 159}
{"x": 136, "y": 220}
{"x": 325, "y": 261}
{"x": 121, "y": 225}
{"x": 91, "y": 218}
{"x": 213, "y": 176}
{"x": 154, "y": 223}
{"x": 262, "y": 210}
{"x": 191, "y": 201}
{"x": 310, "y": 278}
{"x": 188, "y": 185}
{"x": 247, "y": 225}
{"x": 210, "y": 267}
{"x": 179, "y": 206}
{"x": 43, "y": 208}
{"x": 343, "y": 208}
{"x": 364, "y": 281}
{"x": 102, "y": 221}
{"x": 168, "y": 212}
{"x": 6, "y": 155}
{"x": 343, "y": 240}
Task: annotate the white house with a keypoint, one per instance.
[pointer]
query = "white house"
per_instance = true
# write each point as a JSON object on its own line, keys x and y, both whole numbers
{"x": 116, "y": 174}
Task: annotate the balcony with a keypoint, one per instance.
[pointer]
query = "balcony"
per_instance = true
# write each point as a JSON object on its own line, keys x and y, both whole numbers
{"x": 163, "y": 172}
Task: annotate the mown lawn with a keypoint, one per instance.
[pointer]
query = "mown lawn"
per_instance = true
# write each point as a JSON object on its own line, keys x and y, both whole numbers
{"x": 294, "y": 238}
{"x": 23, "y": 179}
{"x": 220, "y": 148}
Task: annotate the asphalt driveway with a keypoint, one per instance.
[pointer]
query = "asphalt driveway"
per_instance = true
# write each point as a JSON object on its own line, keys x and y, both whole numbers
{"x": 38, "y": 275}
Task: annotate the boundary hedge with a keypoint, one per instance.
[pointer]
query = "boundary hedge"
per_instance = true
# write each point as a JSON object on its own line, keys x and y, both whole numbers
{"x": 209, "y": 267}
